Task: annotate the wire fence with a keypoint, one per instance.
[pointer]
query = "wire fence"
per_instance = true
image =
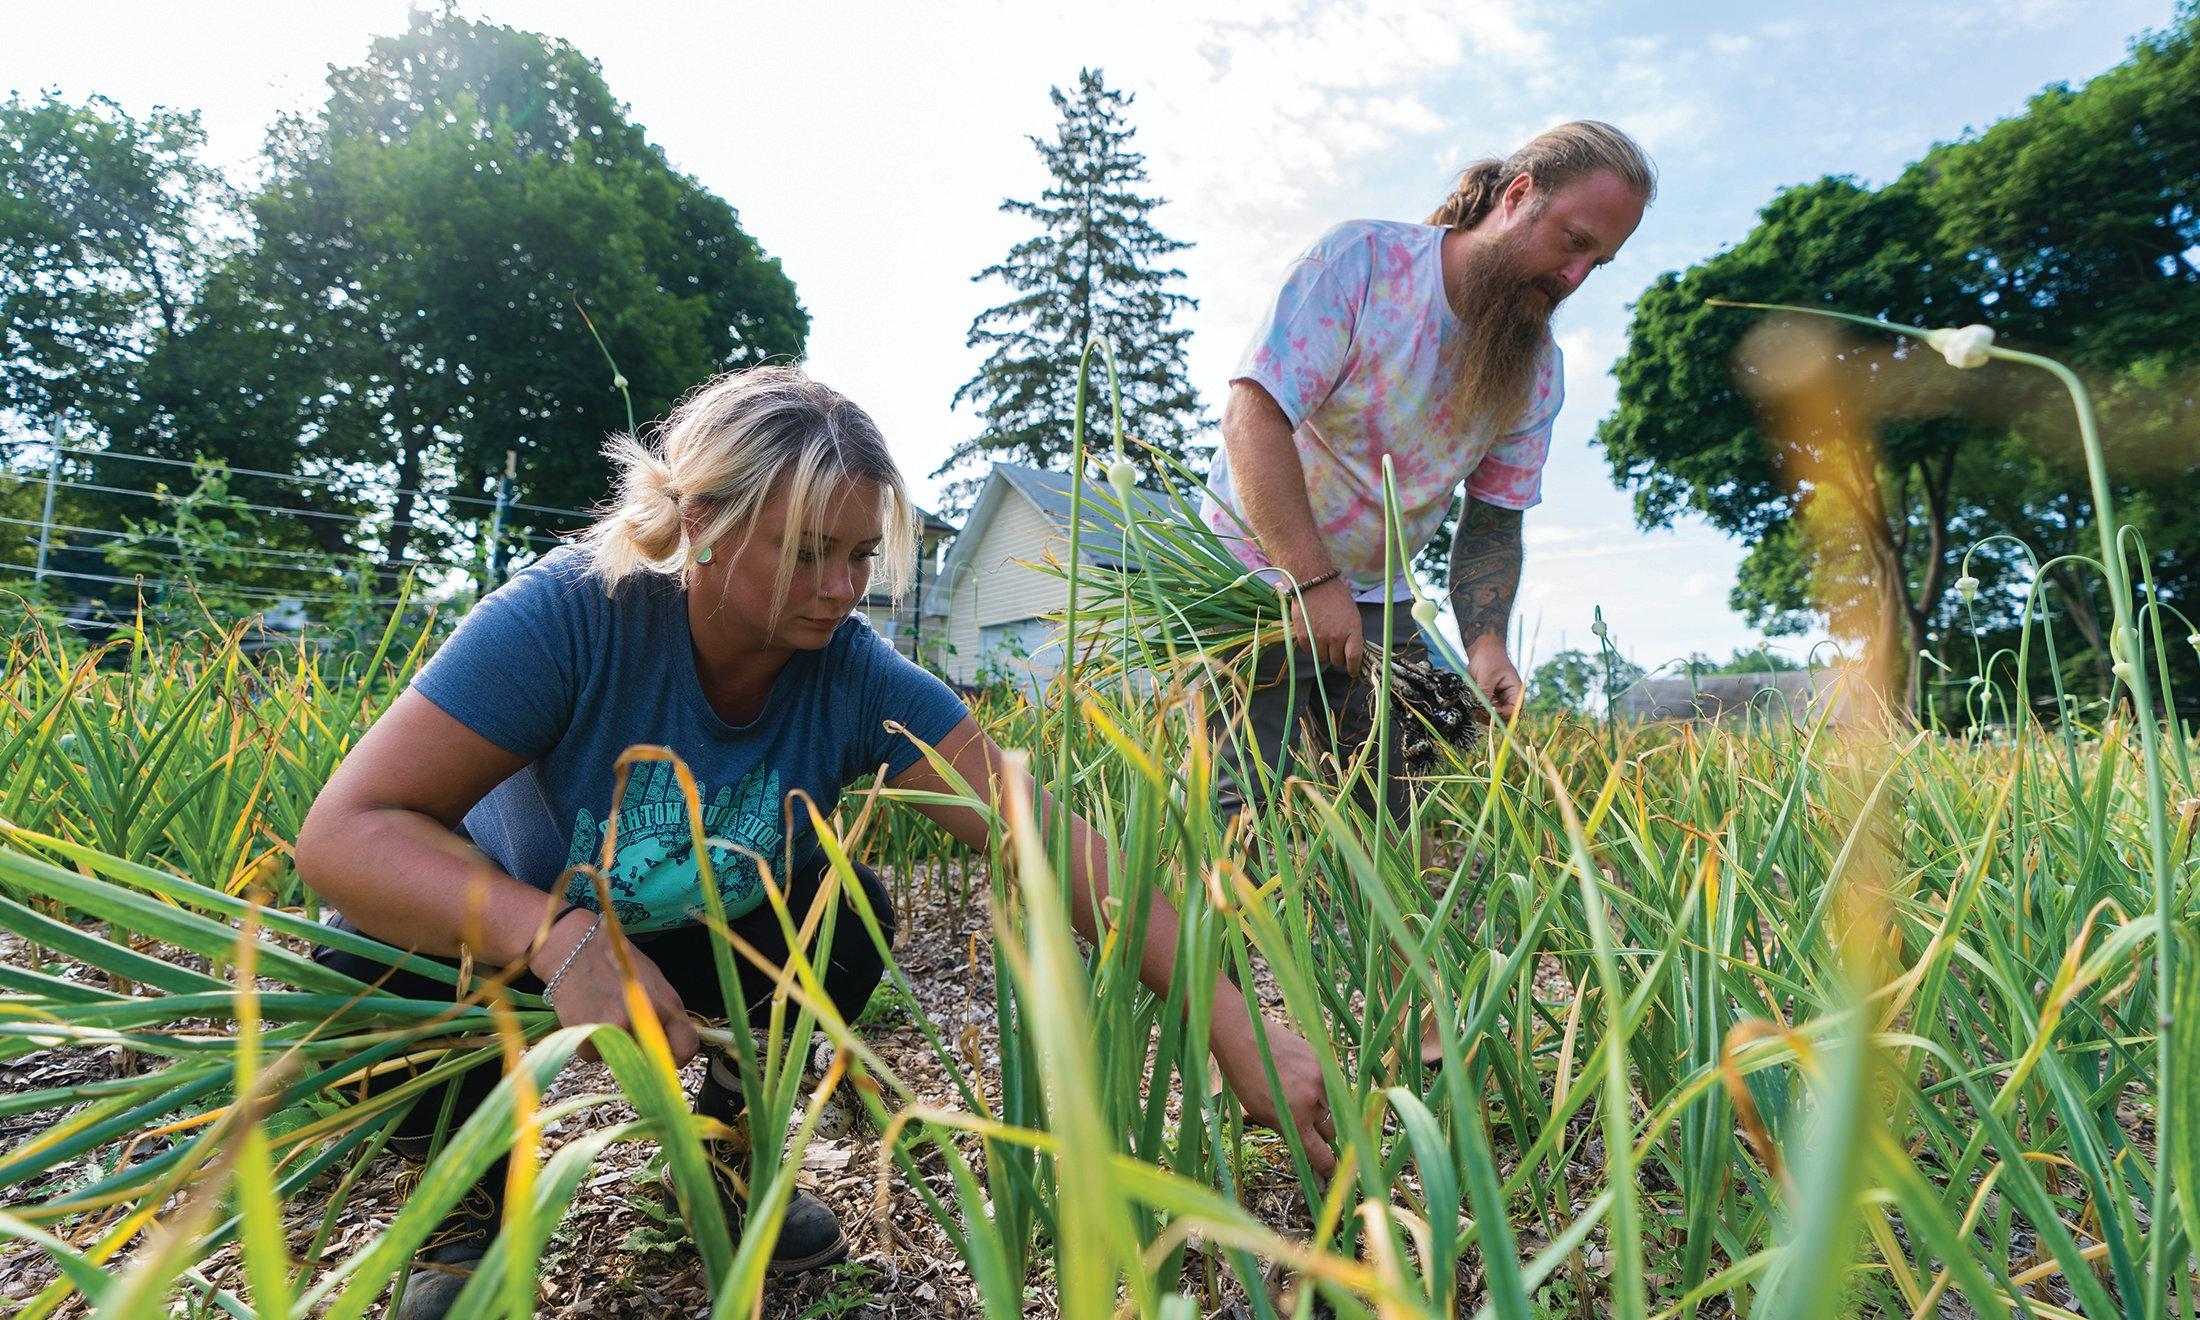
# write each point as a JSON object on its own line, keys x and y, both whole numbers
{"x": 186, "y": 586}
{"x": 180, "y": 575}
{"x": 304, "y": 479}
{"x": 268, "y": 557}
{"x": 70, "y": 484}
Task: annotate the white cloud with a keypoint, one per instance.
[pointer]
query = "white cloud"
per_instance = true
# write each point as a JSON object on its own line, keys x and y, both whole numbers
{"x": 1258, "y": 128}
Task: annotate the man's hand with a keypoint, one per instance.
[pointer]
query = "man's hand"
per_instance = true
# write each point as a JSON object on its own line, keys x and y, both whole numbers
{"x": 1326, "y": 621}
{"x": 1305, "y": 1102}
{"x": 1492, "y": 671}
{"x": 594, "y": 990}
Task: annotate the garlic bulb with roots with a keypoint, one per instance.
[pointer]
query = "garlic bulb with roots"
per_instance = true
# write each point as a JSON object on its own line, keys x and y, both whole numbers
{"x": 1433, "y": 709}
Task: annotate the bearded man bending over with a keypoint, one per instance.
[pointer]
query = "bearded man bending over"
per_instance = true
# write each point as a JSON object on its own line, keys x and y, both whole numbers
{"x": 1430, "y": 345}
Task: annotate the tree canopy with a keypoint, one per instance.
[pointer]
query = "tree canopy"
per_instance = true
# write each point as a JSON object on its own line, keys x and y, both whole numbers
{"x": 404, "y": 304}
{"x": 107, "y": 226}
{"x": 2068, "y": 228}
{"x": 1573, "y": 681}
{"x": 434, "y": 235}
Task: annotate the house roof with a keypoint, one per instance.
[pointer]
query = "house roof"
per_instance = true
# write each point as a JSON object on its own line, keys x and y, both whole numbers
{"x": 1103, "y": 535}
{"x": 1049, "y": 492}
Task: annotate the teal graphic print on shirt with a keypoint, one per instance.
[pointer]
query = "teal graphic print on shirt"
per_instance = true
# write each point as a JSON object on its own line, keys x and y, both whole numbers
{"x": 654, "y": 882}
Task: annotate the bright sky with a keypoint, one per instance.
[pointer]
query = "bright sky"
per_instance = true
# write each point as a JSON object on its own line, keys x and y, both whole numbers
{"x": 868, "y": 146}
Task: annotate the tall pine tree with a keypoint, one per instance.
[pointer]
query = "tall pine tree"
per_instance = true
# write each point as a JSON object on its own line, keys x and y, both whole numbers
{"x": 1096, "y": 266}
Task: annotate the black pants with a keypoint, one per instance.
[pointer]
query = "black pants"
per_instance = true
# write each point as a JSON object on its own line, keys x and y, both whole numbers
{"x": 683, "y": 954}
{"x": 1307, "y": 718}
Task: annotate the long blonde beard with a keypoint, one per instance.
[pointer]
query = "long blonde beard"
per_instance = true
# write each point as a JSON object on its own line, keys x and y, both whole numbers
{"x": 1504, "y": 328}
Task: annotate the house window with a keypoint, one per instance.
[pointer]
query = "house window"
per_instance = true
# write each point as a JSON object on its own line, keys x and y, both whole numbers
{"x": 1021, "y": 651}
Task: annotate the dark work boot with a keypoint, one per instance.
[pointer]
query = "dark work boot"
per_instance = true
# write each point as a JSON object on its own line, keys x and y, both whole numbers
{"x": 809, "y": 1233}
{"x": 447, "y": 1259}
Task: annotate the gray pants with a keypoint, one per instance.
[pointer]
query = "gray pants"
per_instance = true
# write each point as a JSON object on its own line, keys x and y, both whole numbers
{"x": 1311, "y": 722}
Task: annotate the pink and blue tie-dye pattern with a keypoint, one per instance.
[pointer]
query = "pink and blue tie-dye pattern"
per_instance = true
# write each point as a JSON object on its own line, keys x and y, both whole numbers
{"x": 1354, "y": 351}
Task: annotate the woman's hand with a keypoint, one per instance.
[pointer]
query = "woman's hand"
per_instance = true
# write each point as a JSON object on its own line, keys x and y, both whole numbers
{"x": 593, "y": 988}
{"x": 1305, "y": 1101}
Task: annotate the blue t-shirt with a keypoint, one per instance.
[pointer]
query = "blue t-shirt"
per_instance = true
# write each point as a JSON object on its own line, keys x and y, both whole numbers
{"x": 550, "y": 668}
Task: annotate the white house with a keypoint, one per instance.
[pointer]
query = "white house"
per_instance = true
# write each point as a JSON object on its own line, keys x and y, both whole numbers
{"x": 994, "y": 603}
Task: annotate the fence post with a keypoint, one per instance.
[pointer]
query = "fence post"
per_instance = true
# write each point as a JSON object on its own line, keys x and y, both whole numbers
{"x": 45, "y": 517}
{"x": 916, "y": 619}
{"x": 496, "y": 521}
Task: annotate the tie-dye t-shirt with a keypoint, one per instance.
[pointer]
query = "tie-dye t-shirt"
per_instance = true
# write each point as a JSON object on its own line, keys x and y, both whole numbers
{"x": 1356, "y": 350}
{"x": 550, "y": 668}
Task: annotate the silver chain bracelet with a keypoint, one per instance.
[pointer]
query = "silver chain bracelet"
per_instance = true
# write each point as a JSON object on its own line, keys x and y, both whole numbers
{"x": 550, "y": 987}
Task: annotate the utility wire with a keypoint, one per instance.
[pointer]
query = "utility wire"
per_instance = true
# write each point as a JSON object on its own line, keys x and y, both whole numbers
{"x": 186, "y": 586}
{"x": 200, "y": 570}
{"x": 296, "y": 478}
{"x": 261, "y": 556}
{"x": 170, "y": 615}
{"x": 67, "y": 484}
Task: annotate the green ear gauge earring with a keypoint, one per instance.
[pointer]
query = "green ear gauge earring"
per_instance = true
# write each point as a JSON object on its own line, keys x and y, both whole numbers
{"x": 702, "y": 556}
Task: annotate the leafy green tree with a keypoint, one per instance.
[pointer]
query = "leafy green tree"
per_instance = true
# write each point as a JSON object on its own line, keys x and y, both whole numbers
{"x": 2069, "y": 228}
{"x": 1760, "y": 660}
{"x": 2081, "y": 213}
{"x": 1096, "y": 267}
{"x": 1564, "y": 683}
{"x": 1573, "y": 681}
{"x": 411, "y": 309}
{"x": 1689, "y": 435}
{"x": 107, "y": 226}
{"x": 2081, "y": 210}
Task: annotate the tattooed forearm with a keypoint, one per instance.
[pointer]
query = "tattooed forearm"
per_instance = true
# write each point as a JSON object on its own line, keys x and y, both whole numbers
{"x": 1485, "y": 569}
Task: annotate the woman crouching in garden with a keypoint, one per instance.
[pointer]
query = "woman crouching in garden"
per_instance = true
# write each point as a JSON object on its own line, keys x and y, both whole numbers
{"x": 710, "y": 611}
